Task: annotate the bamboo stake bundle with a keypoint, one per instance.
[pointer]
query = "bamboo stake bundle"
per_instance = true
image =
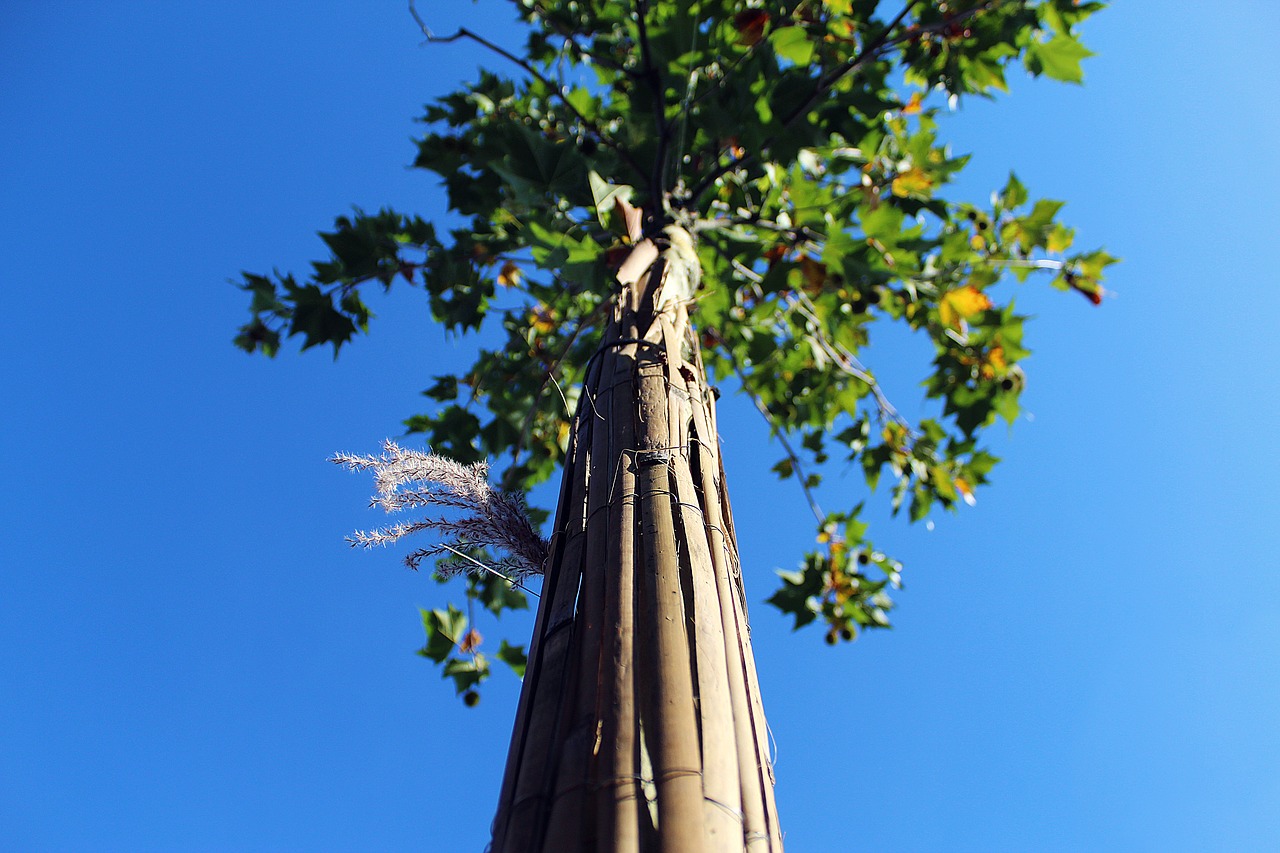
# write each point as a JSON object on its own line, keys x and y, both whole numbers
{"x": 640, "y": 726}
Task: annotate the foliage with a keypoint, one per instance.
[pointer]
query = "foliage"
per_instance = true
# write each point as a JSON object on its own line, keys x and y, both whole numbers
{"x": 800, "y": 142}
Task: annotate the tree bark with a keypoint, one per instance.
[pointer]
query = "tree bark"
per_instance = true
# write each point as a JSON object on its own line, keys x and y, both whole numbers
{"x": 640, "y": 726}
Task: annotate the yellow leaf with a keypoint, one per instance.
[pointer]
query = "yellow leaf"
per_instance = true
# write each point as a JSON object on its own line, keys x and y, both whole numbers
{"x": 994, "y": 364}
{"x": 912, "y": 106}
{"x": 894, "y": 435}
{"x": 965, "y": 490}
{"x": 509, "y": 276}
{"x": 913, "y": 180}
{"x": 838, "y": 7}
{"x": 542, "y": 320}
{"x": 961, "y": 304}
{"x": 1059, "y": 239}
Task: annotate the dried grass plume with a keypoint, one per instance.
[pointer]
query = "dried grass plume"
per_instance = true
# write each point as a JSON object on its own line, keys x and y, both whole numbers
{"x": 407, "y": 479}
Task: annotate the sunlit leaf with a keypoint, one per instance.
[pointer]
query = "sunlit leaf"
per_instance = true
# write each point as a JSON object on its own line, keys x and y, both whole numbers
{"x": 961, "y": 304}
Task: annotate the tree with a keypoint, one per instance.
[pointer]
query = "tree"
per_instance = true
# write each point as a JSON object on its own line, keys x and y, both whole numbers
{"x": 664, "y": 196}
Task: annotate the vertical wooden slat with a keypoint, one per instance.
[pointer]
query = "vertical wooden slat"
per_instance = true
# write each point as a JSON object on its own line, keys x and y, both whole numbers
{"x": 750, "y": 734}
{"x": 722, "y": 792}
{"x": 535, "y": 781}
{"x": 759, "y": 809}
{"x": 618, "y": 780}
{"x": 639, "y": 728}
{"x": 571, "y": 825}
{"x": 520, "y": 735}
{"x": 671, "y": 723}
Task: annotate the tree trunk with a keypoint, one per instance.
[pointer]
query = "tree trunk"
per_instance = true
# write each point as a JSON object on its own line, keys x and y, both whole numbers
{"x": 640, "y": 726}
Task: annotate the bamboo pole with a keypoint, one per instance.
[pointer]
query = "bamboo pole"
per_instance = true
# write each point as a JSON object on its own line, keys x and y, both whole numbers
{"x": 640, "y": 728}
{"x": 617, "y": 781}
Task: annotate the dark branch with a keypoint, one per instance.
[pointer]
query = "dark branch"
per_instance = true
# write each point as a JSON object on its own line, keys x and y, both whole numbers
{"x": 558, "y": 91}
{"x": 870, "y": 52}
{"x": 653, "y": 79}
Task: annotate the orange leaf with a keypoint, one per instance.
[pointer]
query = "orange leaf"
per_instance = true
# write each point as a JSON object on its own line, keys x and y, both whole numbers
{"x": 509, "y": 276}
{"x": 961, "y": 304}
{"x": 913, "y": 180}
{"x": 470, "y": 641}
{"x": 994, "y": 364}
{"x": 542, "y": 320}
{"x": 912, "y": 106}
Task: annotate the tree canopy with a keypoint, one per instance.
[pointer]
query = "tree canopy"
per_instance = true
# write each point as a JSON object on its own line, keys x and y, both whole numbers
{"x": 800, "y": 143}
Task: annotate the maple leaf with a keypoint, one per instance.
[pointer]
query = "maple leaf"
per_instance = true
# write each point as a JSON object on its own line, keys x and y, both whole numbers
{"x": 470, "y": 641}
{"x": 913, "y": 180}
{"x": 961, "y": 304}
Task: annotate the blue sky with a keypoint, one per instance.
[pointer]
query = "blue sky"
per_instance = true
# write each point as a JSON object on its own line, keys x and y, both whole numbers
{"x": 1088, "y": 659}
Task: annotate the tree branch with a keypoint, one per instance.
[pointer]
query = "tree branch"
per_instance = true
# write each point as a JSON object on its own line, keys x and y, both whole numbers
{"x": 825, "y": 83}
{"x": 558, "y": 91}
{"x": 527, "y": 426}
{"x": 653, "y": 78}
{"x": 846, "y": 361}
{"x": 786, "y": 446}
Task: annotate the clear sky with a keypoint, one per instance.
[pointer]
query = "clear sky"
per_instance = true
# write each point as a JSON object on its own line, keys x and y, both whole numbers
{"x": 192, "y": 659}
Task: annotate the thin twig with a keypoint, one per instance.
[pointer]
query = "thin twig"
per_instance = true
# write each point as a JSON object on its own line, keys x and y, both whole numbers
{"x": 653, "y": 78}
{"x": 786, "y": 446}
{"x": 826, "y": 82}
{"x": 526, "y": 427}
{"x": 724, "y": 78}
{"x": 846, "y": 360}
{"x": 558, "y": 91}
{"x": 517, "y": 584}
{"x": 838, "y": 353}
{"x": 824, "y": 85}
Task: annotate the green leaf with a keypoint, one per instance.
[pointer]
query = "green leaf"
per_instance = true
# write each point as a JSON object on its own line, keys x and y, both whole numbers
{"x": 1014, "y": 194}
{"x": 497, "y": 594}
{"x": 445, "y": 388}
{"x": 1059, "y": 58}
{"x": 466, "y": 672}
{"x": 514, "y": 657}
{"x": 798, "y": 591}
{"x": 606, "y": 195}
{"x": 792, "y": 44}
{"x": 316, "y": 319}
{"x": 443, "y": 629}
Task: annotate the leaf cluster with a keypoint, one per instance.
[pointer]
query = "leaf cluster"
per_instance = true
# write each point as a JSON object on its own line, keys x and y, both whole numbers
{"x": 799, "y": 140}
